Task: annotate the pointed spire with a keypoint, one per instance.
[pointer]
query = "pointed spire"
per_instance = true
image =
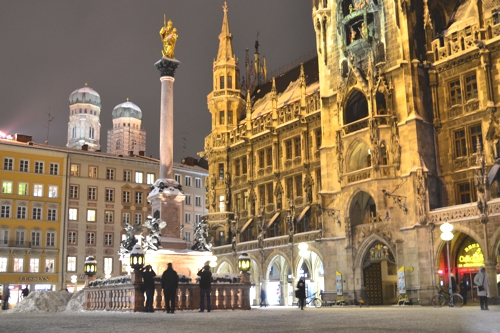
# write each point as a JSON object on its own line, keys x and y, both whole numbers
{"x": 225, "y": 39}
{"x": 249, "y": 115}
{"x": 264, "y": 69}
{"x": 302, "y": 89}
{"x": 274, "y": 103}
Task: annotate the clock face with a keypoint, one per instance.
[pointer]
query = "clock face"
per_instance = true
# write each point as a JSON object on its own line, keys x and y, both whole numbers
{"x": 183, "y": 161}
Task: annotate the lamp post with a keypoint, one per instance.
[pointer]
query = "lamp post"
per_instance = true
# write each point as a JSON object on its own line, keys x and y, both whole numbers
{"x": 90, "y": 269}
{"x": 447, "y": 236}
{"x": 136, "y": 257}
{"x": 137, "y": 262}
{"x": 244, "y": 265}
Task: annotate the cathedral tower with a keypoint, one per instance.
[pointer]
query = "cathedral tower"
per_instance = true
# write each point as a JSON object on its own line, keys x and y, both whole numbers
{"x": 127, "y": 134}
{"x": 84, "y": 127}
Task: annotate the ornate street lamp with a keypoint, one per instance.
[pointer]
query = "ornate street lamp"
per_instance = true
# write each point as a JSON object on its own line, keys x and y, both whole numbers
{"x": 447, "y": 236}
{"x": 136, "y": 257}
{"x": 90, "y": 266}
{"x": 213, "y": 261}
{"x": 244, "y": 263}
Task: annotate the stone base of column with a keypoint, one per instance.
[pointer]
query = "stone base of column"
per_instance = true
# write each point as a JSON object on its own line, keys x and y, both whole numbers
{"x": 167, "y": 199}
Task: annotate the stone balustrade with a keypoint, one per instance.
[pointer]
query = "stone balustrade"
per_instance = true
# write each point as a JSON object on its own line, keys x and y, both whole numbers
{"x": 128, "y": 297}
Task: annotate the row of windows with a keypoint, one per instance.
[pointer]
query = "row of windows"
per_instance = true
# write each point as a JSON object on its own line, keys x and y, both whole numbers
{"x": 90, "y": 238}
{"x": 71, "y": 265}
{"x": 109, "y": 194}
{"x": 91, "y": 112}
{"x": 462, "y": 89}
{"x": 75, "y": 170}
{"x": 187, "y": 181}
{"x": 187, "y": 218}
{"x": 197, "y": 200}
{"x": 75, "y": 129}
{"x": 23, "y": 189}
{"x": 20, "y": 238}
{"x": 465, "y": 140}
{"x": 91, "y": 216}
{"x": 24, "y": 166}
{"x": 6, "y": 212}
{"x": 34, "y": 265}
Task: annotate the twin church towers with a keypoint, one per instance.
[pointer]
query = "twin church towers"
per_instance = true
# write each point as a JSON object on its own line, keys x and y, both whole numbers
{"x": 84, "y": 127}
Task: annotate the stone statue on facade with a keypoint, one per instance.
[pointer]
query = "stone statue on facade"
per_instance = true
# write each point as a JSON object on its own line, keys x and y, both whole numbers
{"x": 200, "y": 237}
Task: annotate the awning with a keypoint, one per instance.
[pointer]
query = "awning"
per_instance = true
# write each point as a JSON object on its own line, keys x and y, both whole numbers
{"x": 275, "y": 217}
{"x": 303, "y": 213}
{"x": 246, "y": 225}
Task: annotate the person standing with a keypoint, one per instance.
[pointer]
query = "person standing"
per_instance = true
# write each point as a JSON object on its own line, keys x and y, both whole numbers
{"x": 482, "y": 282}
{"x": 205, "y": 286}
{"x": 148, "y": 274}
{"x": 25, "y": 292}
{"x": 169, "y": 283}
{"x": 301, "y": 292}
{"x": 453, "y": 283}
{"x": 463, "y": 290}
{"x": 6, "y": 299}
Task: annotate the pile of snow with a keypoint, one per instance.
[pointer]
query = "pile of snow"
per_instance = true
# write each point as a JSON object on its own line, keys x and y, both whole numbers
{"x": 50, "y": 301}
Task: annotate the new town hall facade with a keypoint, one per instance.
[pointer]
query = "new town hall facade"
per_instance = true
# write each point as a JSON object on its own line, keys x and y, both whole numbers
{"x": 361, "y": 153}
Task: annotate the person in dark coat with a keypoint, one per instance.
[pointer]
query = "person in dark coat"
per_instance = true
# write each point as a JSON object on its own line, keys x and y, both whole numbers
{"x": 482, "y": 282}
{"x": 453, "y": 283}
{"x": 25, "y": 292}
{"x": 148, "y": 274}
{"x": 464, "y": 288}
{"x": 169, "y": 283}
{"x": 6, "y": 299}
{"x": 205, "y": 286}
{"x": 301, "y": 292}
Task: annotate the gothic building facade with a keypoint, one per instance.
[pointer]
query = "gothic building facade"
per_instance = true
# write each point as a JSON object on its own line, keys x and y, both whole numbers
{"x": 362, "y": 152}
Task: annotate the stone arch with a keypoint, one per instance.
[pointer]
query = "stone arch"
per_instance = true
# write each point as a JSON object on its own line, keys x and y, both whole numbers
{"x": 355, "y": 107}
{"x": 364, "y": 247}
{"x": 357, "y": 155}
{"x": 225, "y": 267}
{"x": 363, "y": 200}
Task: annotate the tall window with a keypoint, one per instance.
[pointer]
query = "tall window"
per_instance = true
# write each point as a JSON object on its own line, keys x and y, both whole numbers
{"x": 18, "y": 265}
{"x": 38, "y": 167}
{"x": 197, "y": 182}
{"x": 72, "y": 237}
{"x": 7, "y": 187}
{"x": 126, "y": 196}
{"x": 237, "y": 167}
{"x": 297, "y": 146}
{"x": 36, "y": 235}
{"x": 269, "y": 156}
{"x": 464, "y": 193}
{"x": 71, "y": 264}
{"x": 471, "y": 87}
{"x": 54, "y": 169}
{"x": 221, "y": 117}
{"x": 197, "y": 201}
{"x": 221, "y": 82}
{"x": 20, "y": 237}
{"x": 108, "y": 265}
{"x": 91, "y": 133}
{"x": 109, "y": 216}
{"x": 138, "y": 197}
{"x": 73, "y": 214}
{"x": 110, "y": 174}
{"x": 5, "y": 211}
{"x": 92, "y": 172}
{"x": 288, "y": 149}
{"x": 37, "y": 213}
{"x": 127, "y": 175}
{"x": 92, "y": 193}
{"x": 53, "y": 189}
{"x": 459, "y": 139}
{"x": 139, "y": 177}
{"x": 298, "y": 185}
{"x": 229, "y": 82}
{"x": 177, "y": 178}
{"x": 188, "y": 200}
{"x": 21, "y": 212}
{"x": 261, "y": 154}
{"x": 8, "y": 163}
{"x": 476, "y": 136}
{"x": 244, "y": 165}
{"x": 187, "y": 217}
{"x": 187, "y": 181}
{"x": 23, "y": 165}
{"x": 229, "y": 117}
{"x": 110, "y": 195}
{"x": 91, "y": 215}
{"x": 150, "y": 178}
{"x": 75, "y": 170}
{"x": 34, "y": 265}
{"x": 126, "y": 218}
{"x": 51, "y": 239}
{"x": 3, "y": 264}
{"x": 38, "y": 190}
{"x": 49, "y": 265}
{"x": 269, "y": 189}
{"x": 22, "y": 188}
{"x": 108, "y": 239}
{"x": 51, "y": 214}
{"x": 90, "y": 238}
{"x": 138, "y": 218}
{"x": 455, "y": 92}
{"x": 73, "y": 191}
{"x": 317, "y": 136}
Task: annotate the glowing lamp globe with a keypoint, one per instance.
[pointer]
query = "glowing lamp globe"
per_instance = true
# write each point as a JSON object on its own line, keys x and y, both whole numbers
{"x": 90, "y": 266}
{"x": 136, "y": 257}
{"x": 244, "y": 262}
{"x": 446, "y": 229}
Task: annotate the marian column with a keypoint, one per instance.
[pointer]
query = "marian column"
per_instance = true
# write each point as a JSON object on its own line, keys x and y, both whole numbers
{"x": 165, "y": 197}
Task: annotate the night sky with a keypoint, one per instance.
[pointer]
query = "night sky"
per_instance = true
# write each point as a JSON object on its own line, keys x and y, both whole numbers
{"x": 50, "y": 48}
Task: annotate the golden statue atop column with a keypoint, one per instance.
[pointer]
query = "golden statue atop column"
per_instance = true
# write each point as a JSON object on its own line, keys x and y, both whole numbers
{"x": 169, "y": 37}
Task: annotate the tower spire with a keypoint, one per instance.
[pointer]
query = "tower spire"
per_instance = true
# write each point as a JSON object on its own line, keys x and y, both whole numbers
{"x": 225, "y": 39}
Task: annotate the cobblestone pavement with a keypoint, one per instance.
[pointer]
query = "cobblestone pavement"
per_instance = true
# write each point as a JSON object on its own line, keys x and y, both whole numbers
{"x": 270, "y": 319}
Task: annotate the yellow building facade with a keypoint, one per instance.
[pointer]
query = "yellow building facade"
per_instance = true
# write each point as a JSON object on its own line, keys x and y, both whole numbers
{"x": 361, "y": 153}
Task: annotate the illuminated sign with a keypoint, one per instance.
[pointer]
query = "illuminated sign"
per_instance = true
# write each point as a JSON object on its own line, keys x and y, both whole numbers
{"x": 33, "y": 278}
{"x": 472, "y": 256}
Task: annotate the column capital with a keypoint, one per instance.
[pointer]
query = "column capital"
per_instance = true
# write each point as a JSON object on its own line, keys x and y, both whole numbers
{"x": 167, "y": 67}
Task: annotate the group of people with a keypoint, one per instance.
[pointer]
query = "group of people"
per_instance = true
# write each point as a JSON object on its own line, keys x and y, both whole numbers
{"x": 169, "y": 284}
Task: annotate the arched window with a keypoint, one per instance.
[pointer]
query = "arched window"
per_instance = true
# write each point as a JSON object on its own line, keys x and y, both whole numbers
{"x": 91, "y": 133}
{"x": 356, "y": 107}
{"x": 384, "y": 158}
{"x": 73, "y": 134}
{"x": 359, "y": 158}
